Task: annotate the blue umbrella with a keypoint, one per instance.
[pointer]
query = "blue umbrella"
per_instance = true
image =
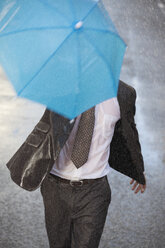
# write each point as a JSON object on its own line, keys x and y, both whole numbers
{"x": 65, "y": 54}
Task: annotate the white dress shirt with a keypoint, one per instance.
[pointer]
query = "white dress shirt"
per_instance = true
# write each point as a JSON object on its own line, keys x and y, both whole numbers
{"x": 107, "y": 114}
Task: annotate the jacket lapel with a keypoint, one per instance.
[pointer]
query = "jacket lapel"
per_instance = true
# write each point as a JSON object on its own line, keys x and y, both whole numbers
{"x": 61, "y": 127}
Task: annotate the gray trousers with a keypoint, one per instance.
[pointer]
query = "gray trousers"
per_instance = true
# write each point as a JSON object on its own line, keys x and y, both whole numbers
{"x": 75, "y": 215}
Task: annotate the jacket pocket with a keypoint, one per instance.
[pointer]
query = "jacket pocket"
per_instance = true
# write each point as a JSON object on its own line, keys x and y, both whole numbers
{"x": 38, "y": 134}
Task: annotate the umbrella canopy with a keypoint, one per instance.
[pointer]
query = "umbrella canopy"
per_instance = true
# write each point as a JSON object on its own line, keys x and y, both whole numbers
{"x": 64, "y": 54}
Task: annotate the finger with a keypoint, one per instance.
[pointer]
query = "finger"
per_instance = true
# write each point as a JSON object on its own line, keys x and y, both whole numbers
{"x": 134, "y": 186}
{"x": 137, "y": 189}
{"x": 131, "y": 182}
{"x": 143, "y": 187}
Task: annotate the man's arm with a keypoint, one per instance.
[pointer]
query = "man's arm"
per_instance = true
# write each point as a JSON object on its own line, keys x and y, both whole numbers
{"x": 136, "y": 185}
{"x": 125, "y": 152}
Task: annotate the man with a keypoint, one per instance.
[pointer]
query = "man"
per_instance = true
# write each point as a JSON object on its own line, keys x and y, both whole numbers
{"x": 76, "y": 197}
{"x": 75, "y": 189}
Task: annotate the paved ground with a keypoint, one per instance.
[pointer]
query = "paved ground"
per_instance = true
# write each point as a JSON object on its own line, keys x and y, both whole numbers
{"x": 133, "y": 220}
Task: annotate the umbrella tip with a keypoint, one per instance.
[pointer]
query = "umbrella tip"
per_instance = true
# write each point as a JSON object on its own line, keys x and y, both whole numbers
{"x": 78, "y": 25}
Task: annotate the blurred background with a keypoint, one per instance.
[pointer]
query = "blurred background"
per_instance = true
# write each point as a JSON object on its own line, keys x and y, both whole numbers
{"x": 134, "y": 220}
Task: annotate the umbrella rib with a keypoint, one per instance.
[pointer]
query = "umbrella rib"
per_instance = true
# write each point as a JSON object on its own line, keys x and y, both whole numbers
{"x": 100, "y": 54}
{"x": 99, "y": 30}
{"x": 33, "y": 29}
{"x": 52, "y": 7}
{"x": 49, "y": 58}
{"x": 88, "y": 13}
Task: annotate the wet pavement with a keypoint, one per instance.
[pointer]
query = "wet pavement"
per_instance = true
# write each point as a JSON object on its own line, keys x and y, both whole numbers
{"x": 134, "y": 220}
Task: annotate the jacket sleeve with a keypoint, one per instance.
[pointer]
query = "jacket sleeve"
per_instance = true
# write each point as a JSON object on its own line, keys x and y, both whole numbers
{"x": 125, "y": 149}
{"x": 132, "y": 126}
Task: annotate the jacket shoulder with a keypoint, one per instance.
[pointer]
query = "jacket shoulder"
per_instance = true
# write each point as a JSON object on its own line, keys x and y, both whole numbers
{"x": 126, "y": 97}
{"x": 125, "y": 90}
{"x": 46, "y": 116}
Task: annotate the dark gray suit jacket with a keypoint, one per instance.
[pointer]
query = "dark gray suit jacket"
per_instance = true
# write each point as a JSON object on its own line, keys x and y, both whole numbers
{"x": 29, "y": 169}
